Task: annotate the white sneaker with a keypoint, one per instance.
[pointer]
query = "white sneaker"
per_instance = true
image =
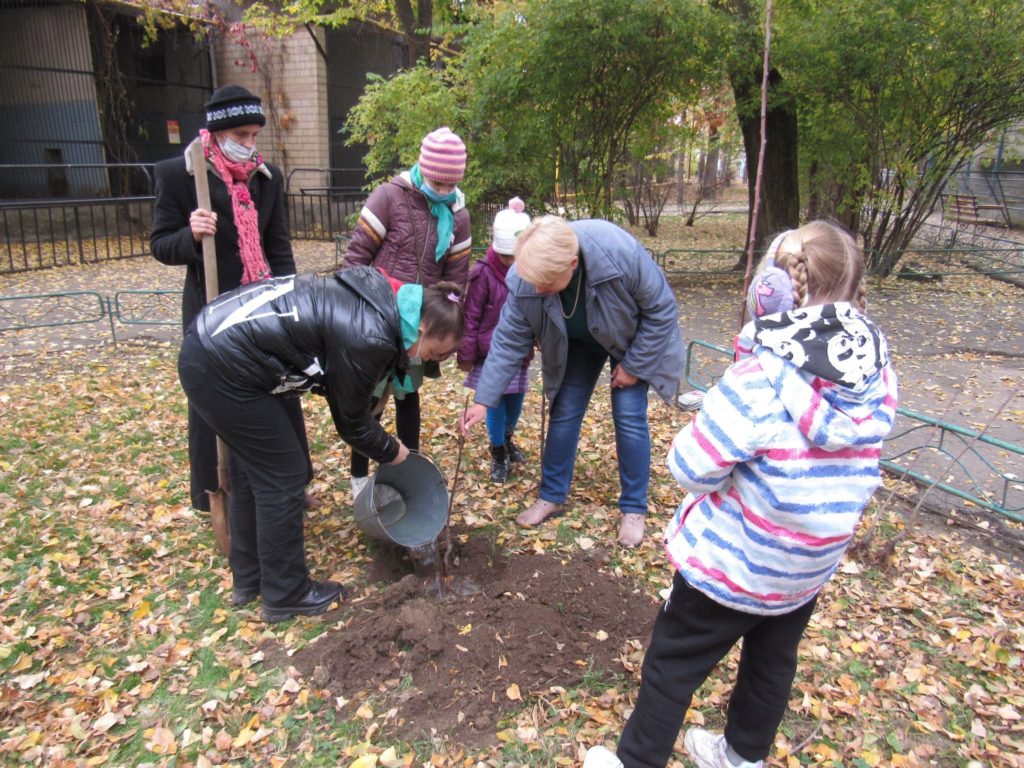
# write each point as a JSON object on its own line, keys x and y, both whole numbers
{"x": 707, "y": 750}
{"x": 356, "y": 484}
{"x": 601, "y": 757}
{"x": 690, "y": 401}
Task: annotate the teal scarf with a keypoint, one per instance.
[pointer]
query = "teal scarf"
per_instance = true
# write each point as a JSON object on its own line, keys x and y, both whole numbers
{"x": 409, "y": 300}
{"x": 440, "y": 209}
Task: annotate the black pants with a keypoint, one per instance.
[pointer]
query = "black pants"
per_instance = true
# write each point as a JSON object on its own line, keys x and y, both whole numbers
{"x": 202, "y": 452}
{"x": 269, "y": 470}
{"x": 691, "y": 635}
{"x": 407, "y": 427}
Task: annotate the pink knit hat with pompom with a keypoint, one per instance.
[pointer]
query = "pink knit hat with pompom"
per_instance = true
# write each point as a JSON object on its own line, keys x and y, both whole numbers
{"x": 443, "y": 157}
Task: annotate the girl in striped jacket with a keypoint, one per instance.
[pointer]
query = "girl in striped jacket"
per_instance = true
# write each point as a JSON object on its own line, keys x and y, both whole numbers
{"x": 779, "y": 464}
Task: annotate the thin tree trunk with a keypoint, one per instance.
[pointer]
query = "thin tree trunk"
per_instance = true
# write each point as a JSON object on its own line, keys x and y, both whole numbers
{"x": 780, "y": 192}
{"x": 709, "y": 174}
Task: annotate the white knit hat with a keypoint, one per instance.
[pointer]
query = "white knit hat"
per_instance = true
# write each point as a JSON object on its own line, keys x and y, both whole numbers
{"x": 507, "y": 224}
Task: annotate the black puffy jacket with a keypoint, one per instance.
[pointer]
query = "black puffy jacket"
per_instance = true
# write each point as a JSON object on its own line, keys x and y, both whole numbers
{"x": 337, "y": 335}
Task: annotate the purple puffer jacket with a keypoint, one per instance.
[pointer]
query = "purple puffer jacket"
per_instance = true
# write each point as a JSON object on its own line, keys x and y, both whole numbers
{"x": 485, "y": 297}
{"x": 396, "y": 233}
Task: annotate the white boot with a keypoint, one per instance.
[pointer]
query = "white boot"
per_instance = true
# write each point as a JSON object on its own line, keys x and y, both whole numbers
{"x": 707, "y": 750}
{"x": 600, "y": 757}
{"x": 356, "y": 484}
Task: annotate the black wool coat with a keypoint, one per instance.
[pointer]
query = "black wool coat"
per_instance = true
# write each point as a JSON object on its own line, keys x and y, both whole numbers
{"x": 171, "y": 238}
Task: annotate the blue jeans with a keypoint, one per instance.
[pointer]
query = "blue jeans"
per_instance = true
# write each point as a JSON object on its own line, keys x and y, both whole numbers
{"x": 632, "y": 436}
{"x": 502, "y": 421}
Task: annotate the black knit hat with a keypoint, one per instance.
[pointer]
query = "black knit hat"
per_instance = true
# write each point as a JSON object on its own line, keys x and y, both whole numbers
{"x": 231, "y": 106}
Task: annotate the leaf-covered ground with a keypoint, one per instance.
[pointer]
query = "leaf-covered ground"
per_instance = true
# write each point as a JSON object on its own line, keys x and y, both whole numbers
{"x": 118, "y": 645}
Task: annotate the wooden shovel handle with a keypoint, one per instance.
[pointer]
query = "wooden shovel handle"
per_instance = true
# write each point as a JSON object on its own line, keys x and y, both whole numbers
{"x": 198, "y": 158}
{"x": 218, "y": 498}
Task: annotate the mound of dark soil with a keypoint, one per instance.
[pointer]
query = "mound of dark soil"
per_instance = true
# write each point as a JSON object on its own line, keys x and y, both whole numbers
{"x": 523, "y": 623}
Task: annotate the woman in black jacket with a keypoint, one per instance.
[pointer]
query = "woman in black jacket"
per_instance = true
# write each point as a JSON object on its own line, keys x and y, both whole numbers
{"x": 250, "y": 230}
{"x": 250, "y": 350}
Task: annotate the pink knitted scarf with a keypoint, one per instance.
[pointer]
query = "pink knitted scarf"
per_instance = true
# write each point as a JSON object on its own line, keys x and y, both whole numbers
{"x": 247, "y": 221}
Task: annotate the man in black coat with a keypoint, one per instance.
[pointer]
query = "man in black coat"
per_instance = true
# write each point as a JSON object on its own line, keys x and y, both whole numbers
{"x": 248, "y": 216}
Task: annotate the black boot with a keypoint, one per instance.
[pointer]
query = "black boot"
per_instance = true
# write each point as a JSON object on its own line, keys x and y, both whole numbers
{"x": 499, "y": 464}
{"x": 316, "y": 600}
{"x": 515, "y": 456}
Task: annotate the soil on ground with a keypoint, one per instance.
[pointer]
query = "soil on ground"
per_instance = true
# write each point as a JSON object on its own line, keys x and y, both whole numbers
{"x": 509, "y": 629}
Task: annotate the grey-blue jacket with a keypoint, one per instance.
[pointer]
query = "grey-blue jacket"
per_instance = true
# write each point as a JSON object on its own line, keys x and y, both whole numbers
{"x": 631, "y": 312}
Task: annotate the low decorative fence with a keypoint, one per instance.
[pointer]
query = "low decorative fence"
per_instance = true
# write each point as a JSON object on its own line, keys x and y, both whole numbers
{"x": 964, "y": 463}
{"x": 67, "y": 308}
{"x": 993, "y": 257}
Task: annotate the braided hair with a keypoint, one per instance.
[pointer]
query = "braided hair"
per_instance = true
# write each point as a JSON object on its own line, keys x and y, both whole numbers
{"x": 825, "y": 265}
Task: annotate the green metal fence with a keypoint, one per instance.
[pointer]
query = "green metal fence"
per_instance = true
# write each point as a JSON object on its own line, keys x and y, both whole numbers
{"x": 995, "y": 260}
{"x": 960, "y": 456}
{"x": 969, "y": 454}
{"x": 67, "y": 308}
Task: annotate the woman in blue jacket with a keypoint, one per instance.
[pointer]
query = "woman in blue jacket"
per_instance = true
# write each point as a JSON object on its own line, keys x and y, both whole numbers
{"x": 586, "y": 292}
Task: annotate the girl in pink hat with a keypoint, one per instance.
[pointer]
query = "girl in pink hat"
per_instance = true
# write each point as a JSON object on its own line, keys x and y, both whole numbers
{"x": 415, "y": 228}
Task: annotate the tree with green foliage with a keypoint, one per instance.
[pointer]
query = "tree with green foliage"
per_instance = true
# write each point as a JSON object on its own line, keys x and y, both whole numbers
{"x": 393, "y": 115}
{"x": 894, "y": 97}
{"x": 422, "y": 25}
{"x": 560, "y": 89}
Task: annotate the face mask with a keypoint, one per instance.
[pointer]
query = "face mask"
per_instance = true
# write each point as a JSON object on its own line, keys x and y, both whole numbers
{"x": 432, "y": 194}
{"x": 238, "y": 153}
{"x": 415, "y": 360}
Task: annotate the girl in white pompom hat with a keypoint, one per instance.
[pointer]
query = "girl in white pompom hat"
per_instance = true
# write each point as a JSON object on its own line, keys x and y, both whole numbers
{"x": 485, "y": 297}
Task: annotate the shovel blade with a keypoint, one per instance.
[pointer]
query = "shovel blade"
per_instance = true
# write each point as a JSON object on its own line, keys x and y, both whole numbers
{"x": 219, "y": 519}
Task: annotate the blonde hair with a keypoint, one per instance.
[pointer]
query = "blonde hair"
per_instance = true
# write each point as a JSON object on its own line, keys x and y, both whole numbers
{"x": 825, "y": 264}
{"x": 545, "y": 250}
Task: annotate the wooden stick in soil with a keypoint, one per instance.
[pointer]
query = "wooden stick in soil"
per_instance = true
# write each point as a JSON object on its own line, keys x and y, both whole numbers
{"x": 446, "y": 560}
{"x": 752, "y": 238}
{"x": 219, "y": 497}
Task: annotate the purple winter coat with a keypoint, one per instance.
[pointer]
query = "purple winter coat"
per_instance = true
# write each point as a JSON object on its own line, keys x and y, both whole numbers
{"x": 396, "y": 233}
{"x": 485, "y": 297}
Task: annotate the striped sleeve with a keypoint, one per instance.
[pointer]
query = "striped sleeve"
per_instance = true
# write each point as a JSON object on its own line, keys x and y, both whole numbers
{"x": 722, "y": 434}
{"x": 371, "y": 229}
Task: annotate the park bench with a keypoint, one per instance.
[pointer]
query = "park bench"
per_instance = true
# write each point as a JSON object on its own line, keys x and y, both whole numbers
{"x": 965, "y": 209}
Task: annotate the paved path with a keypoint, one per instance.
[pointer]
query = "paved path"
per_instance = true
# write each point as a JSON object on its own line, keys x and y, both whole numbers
{"x": 958, "y": 344}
